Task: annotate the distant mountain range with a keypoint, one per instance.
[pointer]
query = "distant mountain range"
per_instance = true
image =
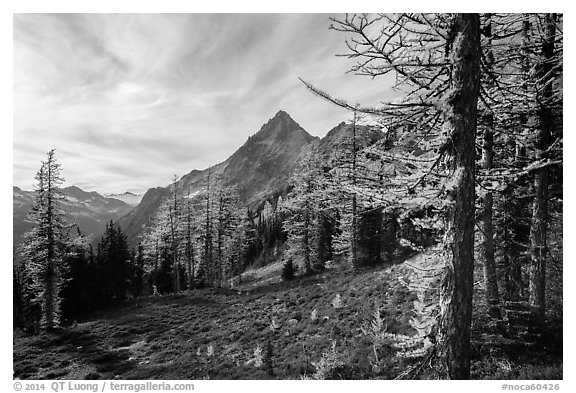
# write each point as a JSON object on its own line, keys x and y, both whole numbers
{"x": 90, "y": 210}
{"x": 127, "y": 197}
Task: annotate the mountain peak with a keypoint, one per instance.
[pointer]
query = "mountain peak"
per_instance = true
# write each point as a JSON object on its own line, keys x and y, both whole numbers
{"x": 279, "y": 128}
{"x": 282, "y": 114}
{"x": 77, "y": 192}
{"x": 73, "y": 188}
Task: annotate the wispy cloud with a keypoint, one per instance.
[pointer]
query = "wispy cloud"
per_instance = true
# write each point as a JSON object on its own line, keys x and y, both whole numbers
{"x": 128, "y": 100}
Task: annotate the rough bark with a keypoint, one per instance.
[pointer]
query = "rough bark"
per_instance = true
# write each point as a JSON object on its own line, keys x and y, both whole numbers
{"x": 460, "y": 127}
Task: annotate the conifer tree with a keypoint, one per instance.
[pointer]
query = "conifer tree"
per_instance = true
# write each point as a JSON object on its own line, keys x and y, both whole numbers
{"x": 174, "y": 216}
{"x": 435, "y": 59}
{"x": 207, "y": 268}
{"x": 154, "y": 242}
{"x": 288, "y": 270}
{"x": 190, "y": 261}
{"x": 522, "y": 91}
{"x": 347, "y": 180}
{"x": 460, "y": 126}
{"x": 303, "y": 204}
{"x": 247, "y": 238}
{"x": 17, "y": 298}
{"x": 114, "y": 264}
{"x": 545, "y": 75}
{"x": 77, "y": 294}
{"x": 139, "y": 271}
{"x": 45, "y": 245}
{"x": 227, "y": 226}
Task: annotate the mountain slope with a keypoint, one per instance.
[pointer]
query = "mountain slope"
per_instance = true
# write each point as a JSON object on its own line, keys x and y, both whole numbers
{"x": 341, "y": 135}
{"x": 90, "y": 210}
{"x": 260, "y": 168}
{"x": 265, "y": 162}
{"x": 135, "y": 221}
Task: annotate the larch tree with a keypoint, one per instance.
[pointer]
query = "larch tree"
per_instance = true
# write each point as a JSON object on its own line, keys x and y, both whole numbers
{"x": 174, "y": 219}
{"x": 460, "y": 126}
{"x": 302, "y": 203}
{"x": 343, "y": 184}
{"x": 435, "y": 60}
{"x": 523, "y": 89}
{"x": 153, "y": 243}
{"x": 45, "y": 245}
{"x": 161, "y": 241}
{"x": 208, "y": 256}
{"x": 546, "y": 70}
{"x": 189, "y": 252}
{"x": 227, "y": 223}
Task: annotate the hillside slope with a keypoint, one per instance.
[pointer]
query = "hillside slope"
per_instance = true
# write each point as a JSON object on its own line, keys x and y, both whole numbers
{"x": 169, "y": 337}
{"x": 215, "y": 333}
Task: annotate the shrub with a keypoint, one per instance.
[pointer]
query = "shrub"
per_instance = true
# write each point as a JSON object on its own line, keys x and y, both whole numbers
{"x": 375, "y": 330}
{"x": 337, "y": 301}
{"x": 288, "y": 270}
{"x": 330, "y": 365}
{"x": 258, "y": 357}
{"x": 314, "y": 315}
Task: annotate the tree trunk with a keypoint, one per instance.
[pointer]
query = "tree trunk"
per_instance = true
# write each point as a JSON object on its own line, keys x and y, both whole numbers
{"x": 490, "y": 277}
{"x": 539, "y": 226}
{"x": 513, "y": 207}
{"x": 354, "y": 230}
{"x": 220, "y": 240}
{"x": 208, "y": 238}
{"x": 460, "y": 126}
{"x": 174, "y": 250}
{"x": 190, "y": 245}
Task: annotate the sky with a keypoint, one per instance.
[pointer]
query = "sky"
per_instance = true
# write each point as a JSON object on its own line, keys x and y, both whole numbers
{"x": 130, "y": 100}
